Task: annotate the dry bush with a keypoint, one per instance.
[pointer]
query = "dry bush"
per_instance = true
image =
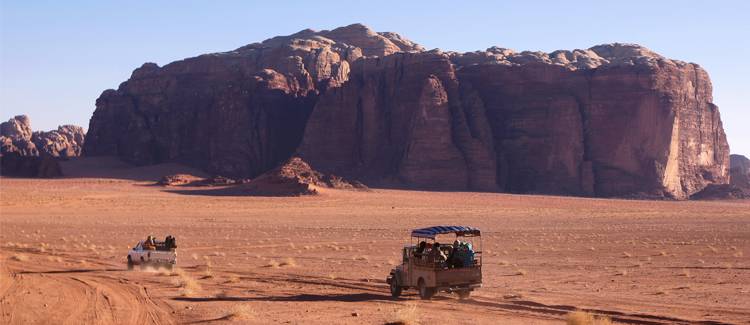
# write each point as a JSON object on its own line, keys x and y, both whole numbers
{"x": 232, "y": 278}
{"x": 272, "y": 264}
{"x": 20, "y": 258}
{"x": 622, "y": 273}
{"x": 57, "y": 259}
{"x": 520, "y": 272}
{"x": 185, "y": 282}
{"x": 684, "y": 273}
{"x": 405, "y": 316}
{"x": 288, "y": 262}
{"x": 626, "y": 255}
{"x": 239, "y": 312}
{"x": 207, "y": 273}
{"x": 585, "y": 318}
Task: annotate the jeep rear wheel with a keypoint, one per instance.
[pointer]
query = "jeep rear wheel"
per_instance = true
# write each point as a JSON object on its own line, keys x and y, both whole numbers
{"x": 425, "y": 292}
{"x": 130, "y": 264}
{"x": 463, "y": 294}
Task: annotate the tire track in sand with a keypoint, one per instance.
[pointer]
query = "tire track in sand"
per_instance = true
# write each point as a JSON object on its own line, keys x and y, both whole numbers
{"x": 37, "y": 295}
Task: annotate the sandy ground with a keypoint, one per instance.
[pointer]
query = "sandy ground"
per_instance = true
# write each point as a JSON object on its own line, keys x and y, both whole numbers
{"x": 323, "y": 259}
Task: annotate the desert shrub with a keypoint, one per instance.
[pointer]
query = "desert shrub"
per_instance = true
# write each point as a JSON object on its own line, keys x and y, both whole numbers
{"x": 586, "y": 318}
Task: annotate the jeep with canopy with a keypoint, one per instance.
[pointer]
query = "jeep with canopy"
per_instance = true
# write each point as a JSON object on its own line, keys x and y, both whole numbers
{"x": 430, "y": 267}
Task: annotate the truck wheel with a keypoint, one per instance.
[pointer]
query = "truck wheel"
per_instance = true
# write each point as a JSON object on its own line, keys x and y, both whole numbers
{"x": 130, "y": 264}
{"x": 395, "y": 289}
{"x": 170, "y": 266}
{"x": 463, "y": 294}
{"x": 424, "y": 292}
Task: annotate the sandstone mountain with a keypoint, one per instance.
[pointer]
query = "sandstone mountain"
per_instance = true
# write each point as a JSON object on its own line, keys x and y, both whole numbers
{"x": 612, "y": 120}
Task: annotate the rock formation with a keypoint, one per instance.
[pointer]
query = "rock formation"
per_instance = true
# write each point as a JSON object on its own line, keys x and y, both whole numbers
{"x": 739, "y": 171}
{"x": 16, "y": 136}
{"x": 612, "y": 120}
{"x": 237, "y": 113}
{"x": 292, "y": 178}
{"x": 66, "y": 141}
{"x": 721, "y": 192}
{"x": 25, "y": 153}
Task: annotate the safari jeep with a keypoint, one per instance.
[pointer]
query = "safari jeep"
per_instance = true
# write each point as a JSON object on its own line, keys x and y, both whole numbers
{"x": 155, "y": 253}
{"x": 431, "y": 267}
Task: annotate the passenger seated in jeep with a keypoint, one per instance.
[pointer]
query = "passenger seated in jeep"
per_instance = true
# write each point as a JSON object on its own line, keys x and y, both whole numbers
{"x": 462, "y": 255}
{"x": 150, "y": 243}
{"x": 420, "y": 249}
{"x": 437, "y": 255}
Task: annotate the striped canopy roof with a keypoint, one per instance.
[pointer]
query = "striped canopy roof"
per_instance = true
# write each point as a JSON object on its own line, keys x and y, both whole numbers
{"x": 431, "y": 232}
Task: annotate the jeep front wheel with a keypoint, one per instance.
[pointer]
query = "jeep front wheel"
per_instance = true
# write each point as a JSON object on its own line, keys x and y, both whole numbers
{"x": 395, "y": 289}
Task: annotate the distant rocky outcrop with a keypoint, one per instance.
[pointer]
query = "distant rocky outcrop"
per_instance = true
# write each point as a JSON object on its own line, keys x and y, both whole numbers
{"x": 66, "y": 141}
{"x": 16, "y": 135}
{"x": 611, "y": 120}
{"x": 721, "y": 192}
{"x": 26, "y": 153}
{"x": 739, "y": 171}
{"x": 294, "y": 178}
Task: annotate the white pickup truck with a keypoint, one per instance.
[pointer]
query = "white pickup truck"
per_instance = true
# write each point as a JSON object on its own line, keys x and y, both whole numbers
{"x": 162, "y": 254}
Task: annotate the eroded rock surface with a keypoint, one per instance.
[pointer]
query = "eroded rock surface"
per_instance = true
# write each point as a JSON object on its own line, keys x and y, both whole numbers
{"x": 237, "y": 113}
{"x": 611, "y": 120}
{"x": 614, "y": 120}
{"x": 16, "y": 135}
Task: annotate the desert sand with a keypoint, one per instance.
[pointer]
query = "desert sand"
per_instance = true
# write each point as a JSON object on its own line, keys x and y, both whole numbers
{"x": 323, "y": 259}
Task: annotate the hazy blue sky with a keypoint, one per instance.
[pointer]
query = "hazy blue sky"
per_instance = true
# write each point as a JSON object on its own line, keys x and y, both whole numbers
{"x": 58, "y": 56}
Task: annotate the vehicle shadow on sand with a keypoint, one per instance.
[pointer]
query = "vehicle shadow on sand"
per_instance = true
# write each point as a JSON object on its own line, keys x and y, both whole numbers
{"x": 349, "y": 297}
{"x": 71, "y": 271}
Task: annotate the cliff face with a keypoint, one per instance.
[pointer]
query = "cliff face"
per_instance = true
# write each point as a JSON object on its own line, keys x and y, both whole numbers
{"x": 613, "y": 120}
{"x": 619, "y": 120}
{"x": 402, "y": 118}
{"x": 631, "y": 123}
{"x": 237, "y": 113}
